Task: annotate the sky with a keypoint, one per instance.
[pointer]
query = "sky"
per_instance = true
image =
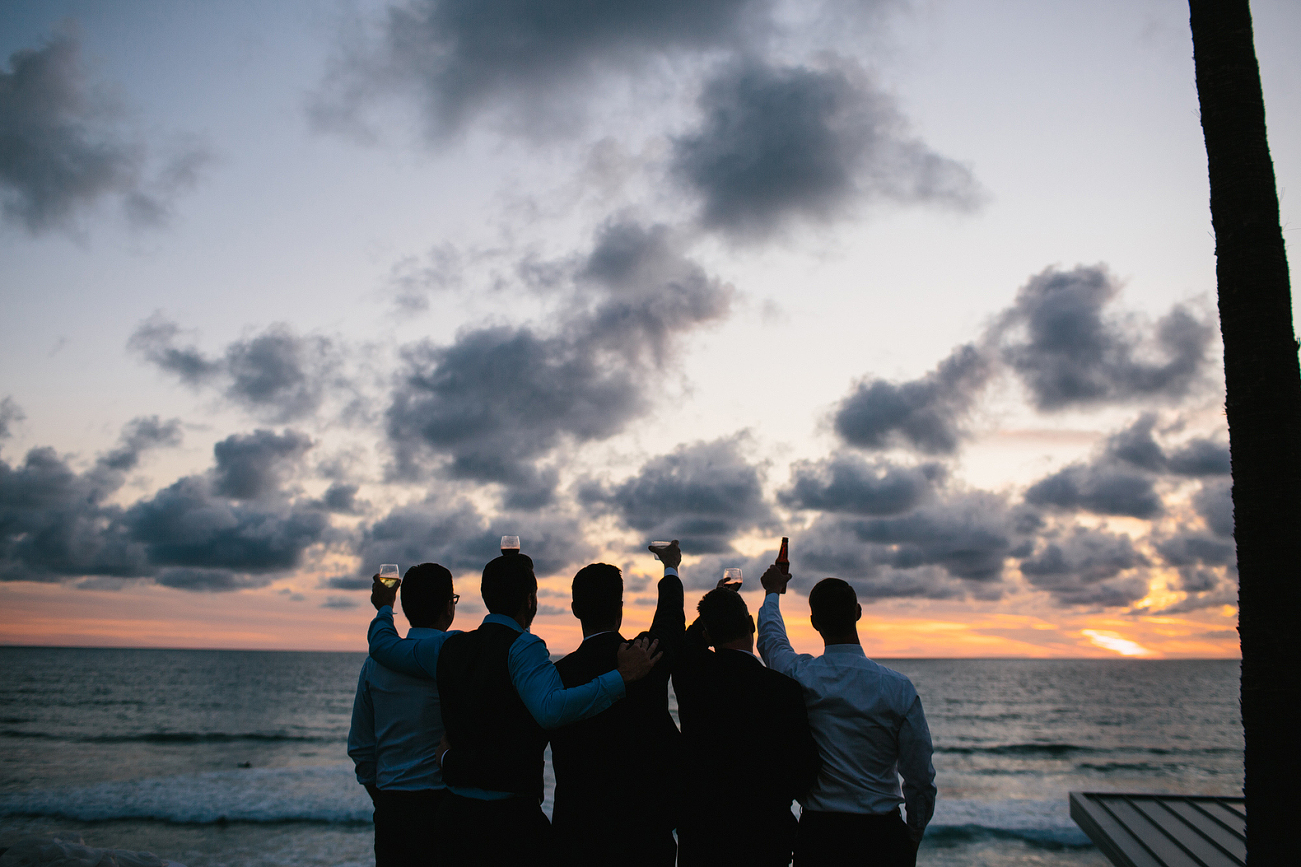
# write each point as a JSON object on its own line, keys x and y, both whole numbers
{"x": 294, "y": 289}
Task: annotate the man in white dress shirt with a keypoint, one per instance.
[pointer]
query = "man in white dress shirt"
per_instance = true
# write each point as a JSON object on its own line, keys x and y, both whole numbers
{"x": 870, "y": 730}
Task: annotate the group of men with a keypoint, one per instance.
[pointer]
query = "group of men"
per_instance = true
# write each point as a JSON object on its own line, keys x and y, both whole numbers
{"x": 449, "y": 731}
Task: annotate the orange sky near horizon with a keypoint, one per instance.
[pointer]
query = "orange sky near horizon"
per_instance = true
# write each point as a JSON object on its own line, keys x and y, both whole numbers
{"x": 281, "y": 618}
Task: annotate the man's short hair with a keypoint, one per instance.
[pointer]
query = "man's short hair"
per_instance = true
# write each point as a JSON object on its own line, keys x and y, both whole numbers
{"x": 725, "y": 615}
{"x": 507, "y": 582}
{"x": 598, "y": 593}
{"x": 426, "y": 590}
{"x": 835, "y": 605}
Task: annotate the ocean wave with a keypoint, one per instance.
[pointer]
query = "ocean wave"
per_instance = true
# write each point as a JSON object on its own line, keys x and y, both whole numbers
{"x": 1055, "y": 750}
{"x": 1041, "y": 823}
{"x": 315, "y": 794}
{"x": 169, "y": 737}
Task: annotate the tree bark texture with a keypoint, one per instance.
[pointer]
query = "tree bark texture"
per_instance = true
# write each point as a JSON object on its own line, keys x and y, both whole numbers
{"x": 1263, "y": 403}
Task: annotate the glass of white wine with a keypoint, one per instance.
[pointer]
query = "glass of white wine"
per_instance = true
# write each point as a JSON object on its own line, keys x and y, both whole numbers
{"x": 388, "y": 573}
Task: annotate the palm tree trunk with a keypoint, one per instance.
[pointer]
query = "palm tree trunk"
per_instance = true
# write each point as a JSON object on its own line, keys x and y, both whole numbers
{"x": 1264, "y": 409}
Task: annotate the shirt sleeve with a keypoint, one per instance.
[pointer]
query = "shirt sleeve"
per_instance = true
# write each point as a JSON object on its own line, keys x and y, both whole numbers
{"x": 916, "y": 769}
{"x": 774, "y": 647}
{"x": 544, "y": 694}
{"x": 417, "y": 657}
{"x": 361, "y": 736}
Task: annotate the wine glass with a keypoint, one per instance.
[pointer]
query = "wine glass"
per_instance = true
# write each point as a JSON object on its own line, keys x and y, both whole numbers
{"x": 388, "y": 573}
{"x": 659, "y": 545}
{"x": 733, "y": 576}
{"x": 510, "y": 544}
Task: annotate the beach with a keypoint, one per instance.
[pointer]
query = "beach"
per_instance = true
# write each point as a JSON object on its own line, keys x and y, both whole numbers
{"x": 239, "y": 757}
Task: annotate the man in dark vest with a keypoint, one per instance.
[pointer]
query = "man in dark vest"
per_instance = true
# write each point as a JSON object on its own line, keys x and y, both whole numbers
{"x": 748, "y": 749}
{"x": 500, "y": 694}
{"x": 631, "y": 747}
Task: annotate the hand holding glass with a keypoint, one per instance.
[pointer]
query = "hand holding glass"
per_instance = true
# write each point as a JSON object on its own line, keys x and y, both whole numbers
{"x": 732, "y": 576}
{"x": 655, "y": 545}
{"x": 388, "y": 573}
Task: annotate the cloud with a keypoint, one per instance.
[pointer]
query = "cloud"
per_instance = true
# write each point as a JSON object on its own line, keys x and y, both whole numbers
{"x": 277, "y": 374}
{"x": 500, "y": 399}
{"x": 57, "y": 524}
{"x": 1098, "y": 487}
{"x": 341, "y": 602}
{"x": 528, "y": 62}
{"x": 457, "y": 535}
{"x": 341, "y": 498}
{"x": 62, "y": 149}
{"x": 1197, "y": 457}
{"x": 777, "y": 143}
{"x": 1214, "y": 502}
{"x": 348, "y": 582}
{"x": 925, "y": 414}
{"x": 1087, "y": 567}
{"x": 1058, "y": 341}
{"x": 10, "y": 414}
{"x": 848, "y": 484}
{"x": 702, "y": 493}
{"x": 251, "y": 466}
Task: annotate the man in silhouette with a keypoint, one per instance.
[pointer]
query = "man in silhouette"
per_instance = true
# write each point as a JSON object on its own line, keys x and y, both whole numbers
{"x": 396, "y": 727}
{"x": 631, "y": 747}
{"x": 748, "y": 750}
{"x": 869, "y": 724}
{"x": 500, "y": 694}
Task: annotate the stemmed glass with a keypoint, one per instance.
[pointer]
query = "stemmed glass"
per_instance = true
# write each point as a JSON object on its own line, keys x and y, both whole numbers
{"x": 388, "y": 573}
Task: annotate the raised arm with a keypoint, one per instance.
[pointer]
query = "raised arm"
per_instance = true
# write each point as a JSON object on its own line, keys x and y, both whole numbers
{"x": 774, "y": 647}
{"x": 670, "y": 621}
{"x": 917, "y": 770}
{"x": 417, "y": 657}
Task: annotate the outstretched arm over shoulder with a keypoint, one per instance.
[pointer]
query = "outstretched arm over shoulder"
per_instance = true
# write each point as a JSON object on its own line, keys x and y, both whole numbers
{"x": 417, "y": 657}
{"x": 539, "y": 685}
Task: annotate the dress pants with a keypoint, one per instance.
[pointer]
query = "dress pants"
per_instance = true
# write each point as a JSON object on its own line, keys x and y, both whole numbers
{"x": 854, "y": 840}
{"x": 511, "y": 831}
{"x": 404, "y": 827}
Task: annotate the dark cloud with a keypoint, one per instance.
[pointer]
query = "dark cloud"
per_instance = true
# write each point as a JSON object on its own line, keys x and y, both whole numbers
{"x": 277, "y": 374}
{"x": 846, "y": 483}
{"x": 341, "y": 498}
{"x": 1214, "y": 502}
{"x": 527, "y": 60}
{"x": 703, "y": 494}
{"x": 499, "y": 400}
{"x": 1087, "y": 567}
{"x": 925, "y": 414}
{"x": 348, "y": 582}
{"x": 777, "y": 143}
{"x": 62, "y": 149}
{"x": 953, "y": 548}
{"x": 10, "y": 414}
{"x": 57, "y": 524}
{"x": 1068, "y": 351}
{"x": 1102, "y": 488}
{"x": 341, "y": 602}
{"x": 457, "y": 535}
{"x": 252, "y": 466}
{"x": 1197, "y": 457}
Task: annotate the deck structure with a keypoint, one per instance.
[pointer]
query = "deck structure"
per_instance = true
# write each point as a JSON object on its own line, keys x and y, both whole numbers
{"x": 1141, "y": 830}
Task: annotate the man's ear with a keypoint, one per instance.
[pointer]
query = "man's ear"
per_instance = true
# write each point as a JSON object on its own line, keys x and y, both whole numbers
{"x": 858, "y": 613}
{"x": 750, "y": 617}
{"x": 813, "y": 621}
{"x": 704, "y": 633}
{"x": 573, "y": 607}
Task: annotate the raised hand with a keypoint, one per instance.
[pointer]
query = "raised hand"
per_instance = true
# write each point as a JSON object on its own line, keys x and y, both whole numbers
{"x": 774, "y": 579}
{"x": 381, "y": 594}
{"x": 724, "y": 584}
{"x": 670, "y": 554}
{"x": 637, "y": 658}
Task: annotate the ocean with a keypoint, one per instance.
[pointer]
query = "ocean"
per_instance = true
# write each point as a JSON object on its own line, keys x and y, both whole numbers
{"x": 239, "y": 757}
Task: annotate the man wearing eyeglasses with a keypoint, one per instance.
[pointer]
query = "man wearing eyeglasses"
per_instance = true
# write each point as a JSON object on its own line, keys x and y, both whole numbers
{"x": 397, "y": 724}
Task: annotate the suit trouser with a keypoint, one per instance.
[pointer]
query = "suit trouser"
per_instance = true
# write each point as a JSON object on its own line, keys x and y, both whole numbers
{"x": 404, "y": 827}
{"x": 511, "y": 831}
{"x": 854, "y": 840}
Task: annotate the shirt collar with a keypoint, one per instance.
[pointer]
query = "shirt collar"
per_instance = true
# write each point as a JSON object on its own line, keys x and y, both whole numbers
{"x": 848, "y": 649}
{"x": 423, "y": 632}
{"x": 503, "y": 620}
{"x": 595, "y": 634}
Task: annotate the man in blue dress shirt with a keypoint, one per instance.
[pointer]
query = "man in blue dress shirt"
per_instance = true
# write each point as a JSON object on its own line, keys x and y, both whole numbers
{"x": 396, "y": 727}
{"x": 500, "y": 695}
{"x": 870, "y": 729}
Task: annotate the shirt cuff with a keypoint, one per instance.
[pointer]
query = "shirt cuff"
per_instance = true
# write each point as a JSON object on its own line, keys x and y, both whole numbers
{"x": 671, "y": 570}
{"x": 615, "y": 683}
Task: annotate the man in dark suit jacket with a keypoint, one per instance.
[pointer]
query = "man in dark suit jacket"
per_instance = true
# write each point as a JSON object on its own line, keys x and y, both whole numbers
{"x": 632, "y": 746}
{"x": 748, "y": 748}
